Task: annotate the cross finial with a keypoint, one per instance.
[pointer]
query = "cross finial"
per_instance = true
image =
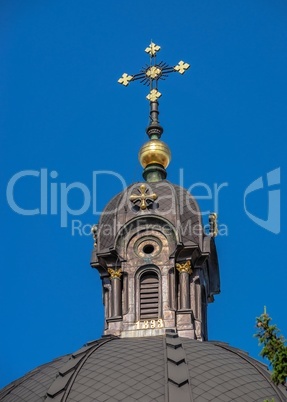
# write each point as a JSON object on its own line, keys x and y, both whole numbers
{"x": 151, "y": 73}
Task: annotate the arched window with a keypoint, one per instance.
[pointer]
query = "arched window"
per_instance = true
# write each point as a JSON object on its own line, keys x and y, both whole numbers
{"x": 149, "y": 295}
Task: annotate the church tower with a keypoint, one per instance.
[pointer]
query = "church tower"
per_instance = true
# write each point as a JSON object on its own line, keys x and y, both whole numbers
{"x": 159, "y": 271}
{"x": 158, "y": 267}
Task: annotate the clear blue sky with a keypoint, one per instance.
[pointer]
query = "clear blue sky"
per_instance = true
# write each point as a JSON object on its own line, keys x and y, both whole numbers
{"x": 63, "y": 111}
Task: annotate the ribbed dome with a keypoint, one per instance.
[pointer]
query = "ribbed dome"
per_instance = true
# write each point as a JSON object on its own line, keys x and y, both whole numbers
{"x": 163, "y": 368}
{"x": 174, "y": 204}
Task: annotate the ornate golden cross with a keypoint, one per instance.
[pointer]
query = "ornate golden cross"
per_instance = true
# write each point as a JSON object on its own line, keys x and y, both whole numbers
{"x": 152, "y": 73}
{"x": 143, "y": 197}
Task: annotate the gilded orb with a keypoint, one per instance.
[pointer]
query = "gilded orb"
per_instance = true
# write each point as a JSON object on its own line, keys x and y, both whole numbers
{"x": 154, "y": 151}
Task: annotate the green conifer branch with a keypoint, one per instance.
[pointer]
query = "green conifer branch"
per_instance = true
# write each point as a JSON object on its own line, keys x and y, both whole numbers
{"x": 274, "y": 347}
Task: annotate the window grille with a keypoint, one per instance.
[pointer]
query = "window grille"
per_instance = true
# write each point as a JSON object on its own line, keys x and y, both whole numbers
{"x": 149, "y": 300}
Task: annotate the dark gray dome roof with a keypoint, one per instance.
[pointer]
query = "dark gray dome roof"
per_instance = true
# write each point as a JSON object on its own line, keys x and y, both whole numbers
{"x": 174, "y": 204}
{"x": 34, "y": 385}
{"x": 162, "y": 368}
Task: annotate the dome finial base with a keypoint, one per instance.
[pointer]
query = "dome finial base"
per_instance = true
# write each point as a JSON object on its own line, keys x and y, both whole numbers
{"x": 154, "y": 173}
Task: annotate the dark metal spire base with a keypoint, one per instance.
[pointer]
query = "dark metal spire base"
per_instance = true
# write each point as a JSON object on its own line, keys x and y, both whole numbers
{"x": 154, "y": 130}
{"x": 154, "y": 173}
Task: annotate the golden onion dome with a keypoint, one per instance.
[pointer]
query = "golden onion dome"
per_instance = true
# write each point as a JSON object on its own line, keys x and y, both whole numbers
{"x": 155, "y": 151}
